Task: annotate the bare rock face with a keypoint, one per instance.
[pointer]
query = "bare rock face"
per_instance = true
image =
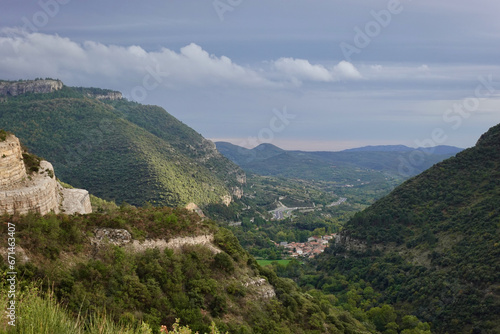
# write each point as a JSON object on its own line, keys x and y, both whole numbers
{"x": 195, "y": 208}
{"x": 12, "y": 170}
{"x": 237, "y": 192}
{"x": 115, "y": 236}
{"x": 350, "y": 244}
{"x": 36, "y": 192}
{"x": 76, "y": 201}
{"x": 112, "y": 95}
{"x": 32, "y": 86}
{"x": 175, "y": 243}
{"x": 226, "y": 200}
{"x": 262, "y": 287}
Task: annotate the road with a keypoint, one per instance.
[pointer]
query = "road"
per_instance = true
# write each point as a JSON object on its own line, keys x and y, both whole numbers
{"x": 340, "y": 201}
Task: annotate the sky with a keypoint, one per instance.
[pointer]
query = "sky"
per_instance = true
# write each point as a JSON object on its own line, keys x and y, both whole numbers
{"x": 300, "y": 74}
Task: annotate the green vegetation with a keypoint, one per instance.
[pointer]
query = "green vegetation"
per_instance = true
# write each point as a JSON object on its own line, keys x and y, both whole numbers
{"x": 432, "y": 246}
{"x": 354, "y": 296}
{"x": 31, "y": 162}
{"x": 263, "y": 193}
{"x": 3, "y": 135}
{"x": 264, "y": 263}
{"x": 156, "y": 287}
{"x": 119, "y": 150}
{"x": 42, "y": 314}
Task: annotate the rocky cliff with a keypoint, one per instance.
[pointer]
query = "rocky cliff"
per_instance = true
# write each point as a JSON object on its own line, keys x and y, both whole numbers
{"x": 9, "y": 88}
{"x": 34, "y": 191}
{"x": 12, "y": 170}
{"x": 111, "y": 95}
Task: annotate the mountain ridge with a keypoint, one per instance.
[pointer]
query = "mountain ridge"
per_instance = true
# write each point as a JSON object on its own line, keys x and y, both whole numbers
{"x": 114, "y": 147}
{"x": 343, "y": 166}
{"x": 437, "y": 237}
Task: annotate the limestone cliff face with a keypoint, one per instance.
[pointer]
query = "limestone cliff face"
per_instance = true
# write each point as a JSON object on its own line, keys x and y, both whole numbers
{"x": 32, "y": 86}
{"x": 349, "y": 244}
{"x": 40, "y": 194}
{"x": 111, "y": 95}
{"x": 12, "y": 170}
{"x": 35, "y": 192}
{"x": 121, "y": 237}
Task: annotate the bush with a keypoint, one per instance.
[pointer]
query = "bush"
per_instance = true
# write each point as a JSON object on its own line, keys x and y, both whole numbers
{"x": 224, "y": 262}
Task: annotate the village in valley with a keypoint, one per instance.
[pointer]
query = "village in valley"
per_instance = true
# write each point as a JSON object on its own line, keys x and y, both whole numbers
{"x": 315, "y": 245}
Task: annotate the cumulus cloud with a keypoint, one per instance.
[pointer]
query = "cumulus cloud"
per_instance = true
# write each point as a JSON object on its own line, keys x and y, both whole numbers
{"x": 299, "y": 70}
{"x": 302, "y": 69}
{"x": 29, "y": 55}
{"x": 346, "y": 70}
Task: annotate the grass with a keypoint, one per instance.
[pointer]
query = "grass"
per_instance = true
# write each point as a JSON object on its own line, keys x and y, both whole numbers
{"x": 264, "y": 263}
{"x": 43, "y": 315}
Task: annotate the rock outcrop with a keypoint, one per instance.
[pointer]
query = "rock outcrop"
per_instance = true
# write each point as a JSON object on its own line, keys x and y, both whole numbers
{"x": 262, "y": 287}
{"x": 111, "y": 95}
{"x": 196, "y": 209}
{"x": 22, "y": 192}
{"x": 349, "y": 244}
{"x": 12, "y": 170}
{"x": 114, "y": 236}
{"x": 121, "y": 237}
{"x": 9, "y": 88}
{"x": 175, "y": 243}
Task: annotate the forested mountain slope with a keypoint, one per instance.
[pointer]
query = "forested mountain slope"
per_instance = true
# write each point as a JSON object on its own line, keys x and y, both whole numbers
{"x": 432, "y": 246}
{"x": 118, "y": 149}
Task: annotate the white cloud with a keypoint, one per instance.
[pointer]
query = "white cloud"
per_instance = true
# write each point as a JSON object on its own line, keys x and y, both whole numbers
{"x": 346, "y": 70}
{"x": 29, "y": 55}
{"x": 302, "y": 69}
{"x": 299, "y": 70}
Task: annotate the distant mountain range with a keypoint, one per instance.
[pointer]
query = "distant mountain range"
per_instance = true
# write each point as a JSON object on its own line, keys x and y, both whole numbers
{"x": 440, "y": 149}
{"x": 117, "y": 149}
{"x": 398, "y": 161}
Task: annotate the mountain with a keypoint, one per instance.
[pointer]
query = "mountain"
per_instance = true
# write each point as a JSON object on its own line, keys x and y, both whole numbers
{"x": 241, "y": 155}
{"x": 440, "y": 149}
{"x": 432, "y": 246}
{"x": 117, "y": 149}
{"x": 366, "y": 164}
{"x": 380, "y": 148}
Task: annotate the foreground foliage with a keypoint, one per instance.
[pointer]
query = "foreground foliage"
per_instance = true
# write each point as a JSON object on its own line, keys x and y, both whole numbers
{"x": 156, "y": 287}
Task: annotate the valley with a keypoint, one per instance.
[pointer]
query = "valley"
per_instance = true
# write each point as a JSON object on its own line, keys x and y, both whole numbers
{"x": 239, "y": 240}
